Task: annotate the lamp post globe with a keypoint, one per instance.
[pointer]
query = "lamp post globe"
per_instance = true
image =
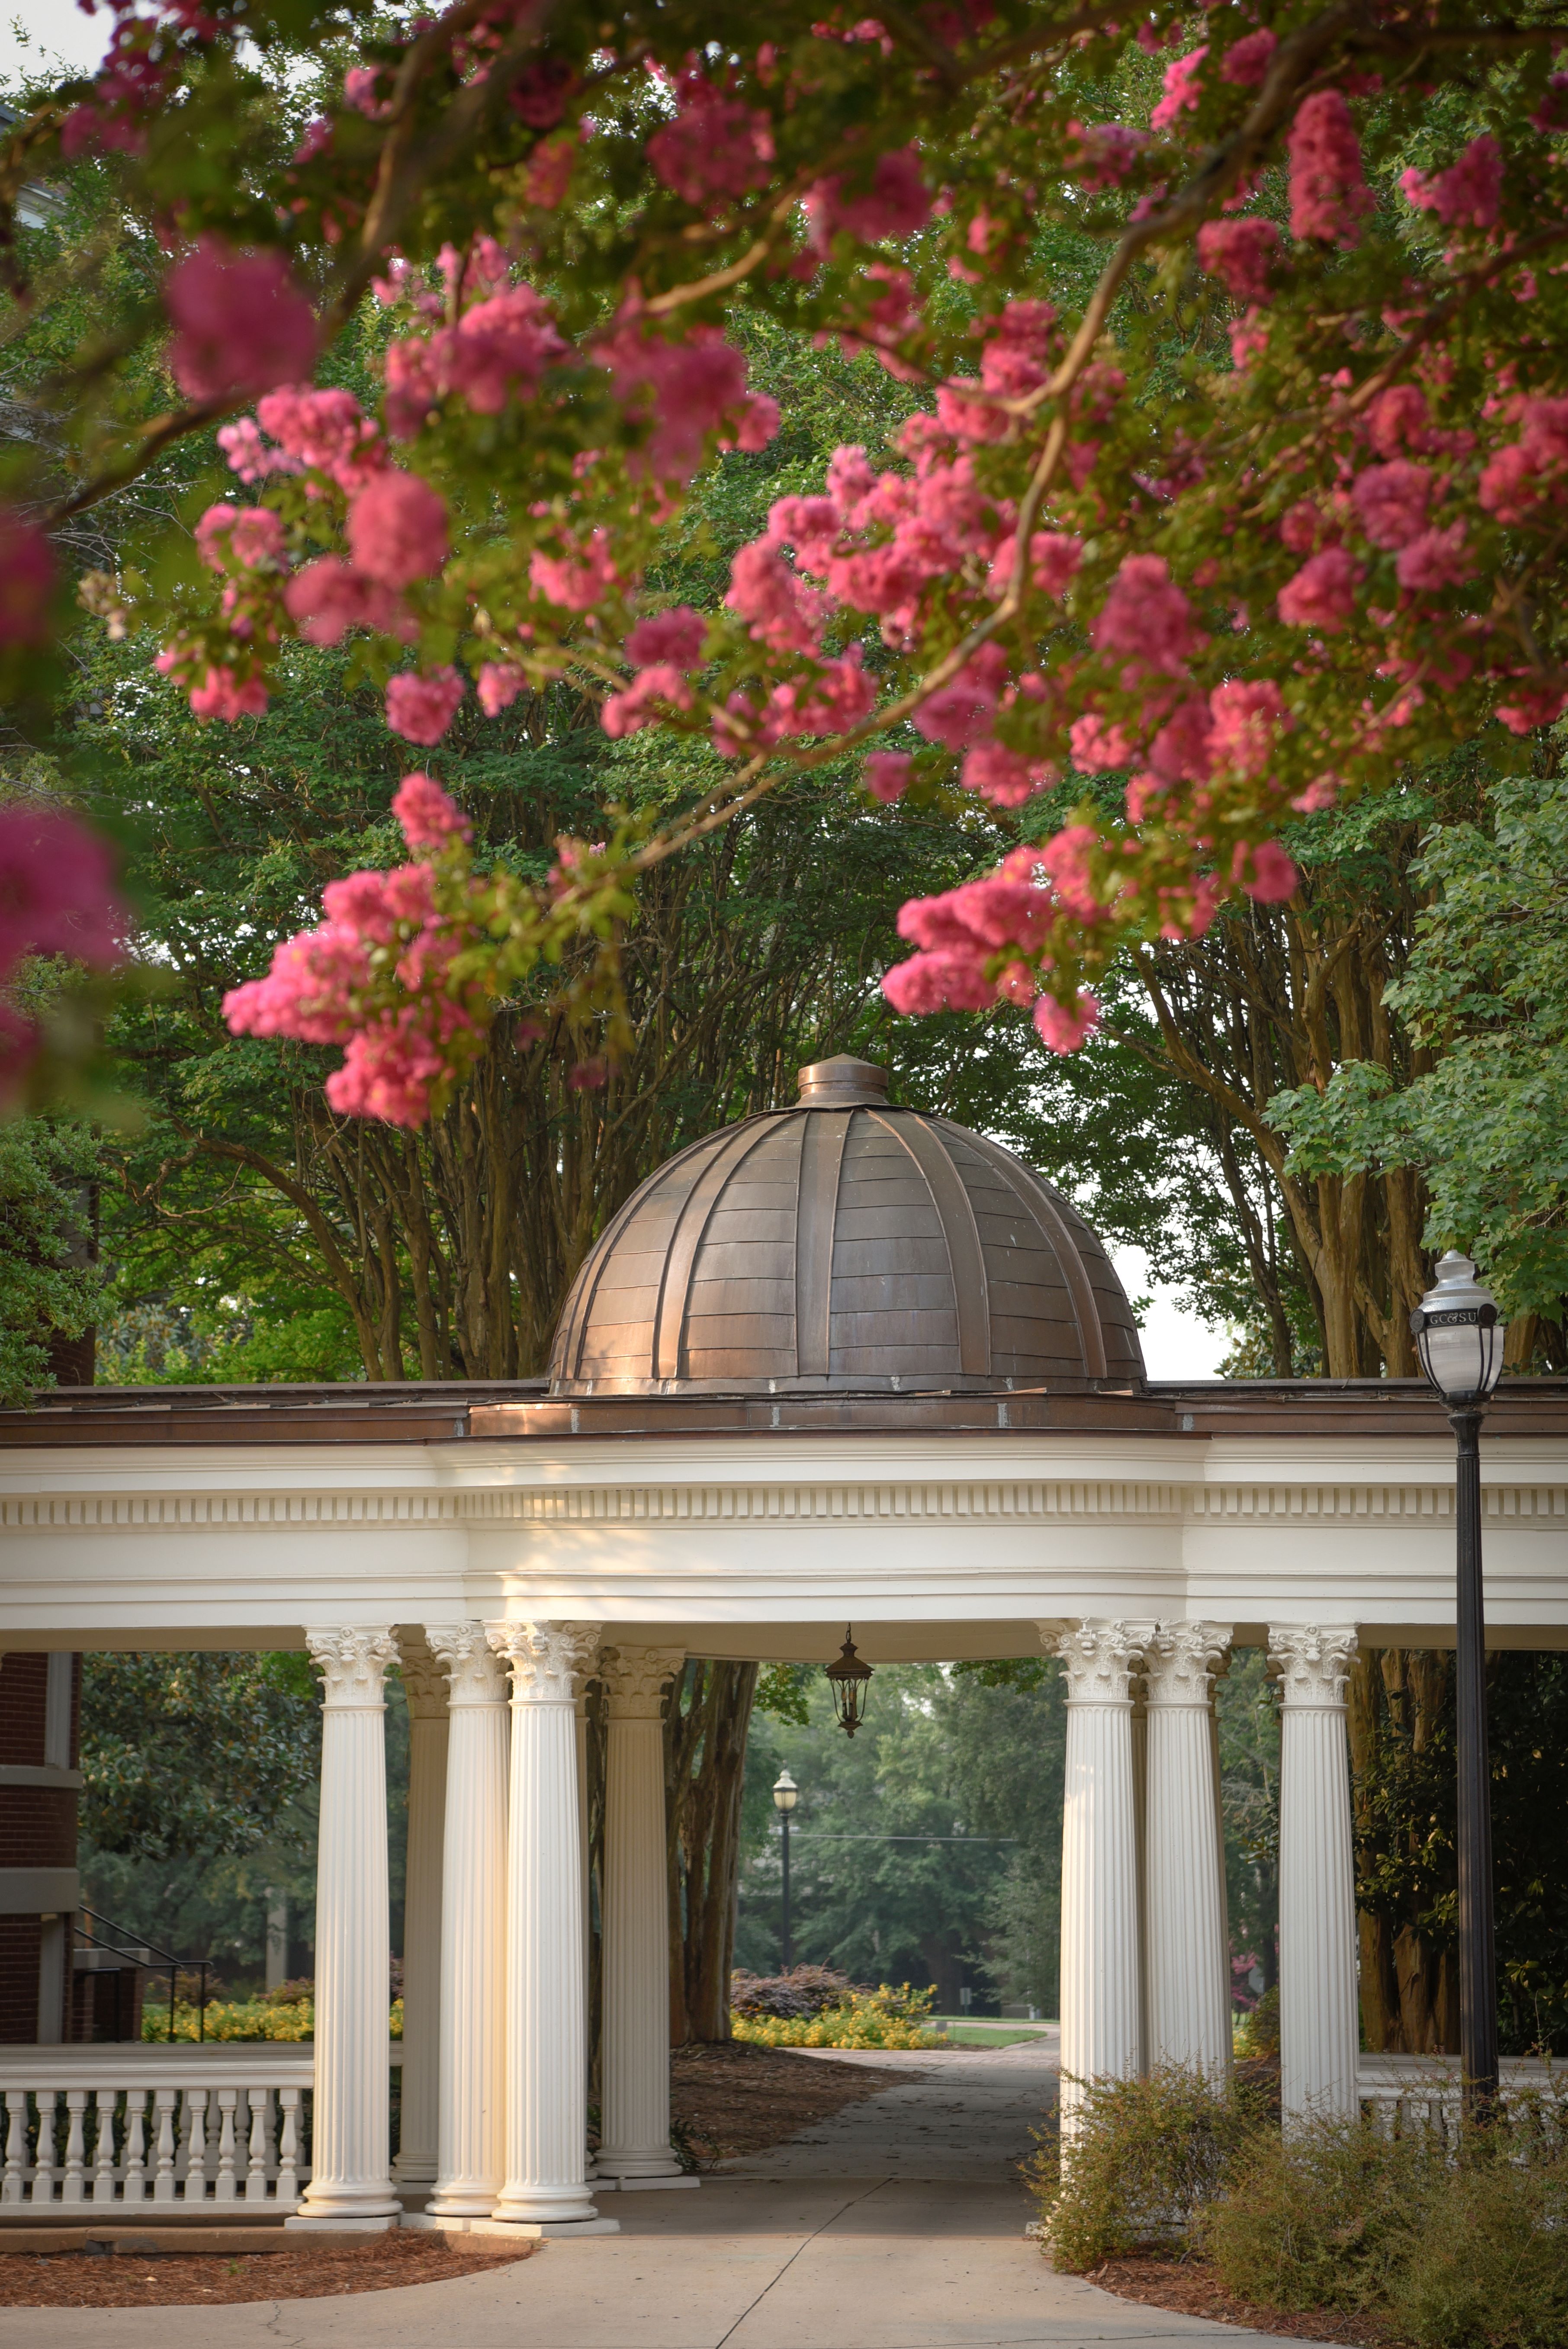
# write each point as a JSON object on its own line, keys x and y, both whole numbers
{"x": 1459, "y": 1336}
{"x": 786, "y": 1795}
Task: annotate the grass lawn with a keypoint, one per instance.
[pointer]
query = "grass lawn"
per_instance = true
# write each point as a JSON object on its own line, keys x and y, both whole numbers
{"x": 962, "y": 2032}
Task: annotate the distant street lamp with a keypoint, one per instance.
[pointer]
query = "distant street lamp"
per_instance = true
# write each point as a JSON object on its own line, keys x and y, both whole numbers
{"x": 786, "y": 1795}
{"x": 848, "y": 1679}
{"x": 1459, "y": 1339}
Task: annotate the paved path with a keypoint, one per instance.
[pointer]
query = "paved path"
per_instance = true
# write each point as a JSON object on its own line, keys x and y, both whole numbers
{"x": 896, "y": 2225}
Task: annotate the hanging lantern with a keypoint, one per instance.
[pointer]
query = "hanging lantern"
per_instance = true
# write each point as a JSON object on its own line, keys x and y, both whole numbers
{"x": 848, "y": 1679}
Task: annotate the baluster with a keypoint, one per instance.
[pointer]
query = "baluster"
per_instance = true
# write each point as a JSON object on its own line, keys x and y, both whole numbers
{"x": 12, "y": 2187}
{"x": 194, "y": 2161}
{"x": 224, "y": 2192}
{"x": 288, "y": 2147}
{"x": 135, "y": 2145}
{"x": 256, "y": 2174}
{"x": 163, "y": 2182}
{"x": 103, "y": 2147}
{"x": 75, "y": 2150}
{"x": 43, "y": 2157}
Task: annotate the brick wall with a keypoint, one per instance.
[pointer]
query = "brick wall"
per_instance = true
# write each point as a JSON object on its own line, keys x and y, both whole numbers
{"x": 22, "y": 1683}
{"x": 37, "y": 1829}
{"x": 19, "y": 1940}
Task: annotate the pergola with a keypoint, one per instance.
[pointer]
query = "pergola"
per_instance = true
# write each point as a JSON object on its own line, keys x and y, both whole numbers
{"x": 840, "y": 1362}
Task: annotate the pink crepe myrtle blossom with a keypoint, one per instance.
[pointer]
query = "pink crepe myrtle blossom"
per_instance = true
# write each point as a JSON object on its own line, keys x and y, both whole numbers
{"x": 1054, "y": 560}
{"x": 678, "y": 635}
{"x": 1391, "y": 500}
{"x": 1523, "y": 473}
{"x": 392, "y": 1071}
{"x": 1469, "y": 194}
{"x": 1322, "y": 595}
{"x": 684, "y": 389}
{"x": 575, "y": 583}
{"x": 1247, "y": 715}
{"x": 1063, "y": 1030}
{"x": 886, "y": 775}
{"x": 241, "y": 324}
{"x": 1247, "y": 61}
{"x": 1146, "y": 618}
{"x": 428, "y": 817}
{"x": 1536, "y": 705}
{"x": 309, "y": 993}
{"x": 940, "y": 979}
{"x": 377, "y": 904}
{"x": 1066, "y": 857}
{"x": 896, "y": 202}
{"x": 1182, "y": 751}
{"x": 359, "y": 92}
{"x": 1003, "y": 777}
{"x": 1103, "y": 153}
{"x": 397, "y": 529}
{"x": 329, "y": 597}
{"x": 223, "y": 694}
{"x": 245, "y": 535}
{"x": 1264, "y": 871}
{"x": 1329, "y": 197}
{"x": 961, "y": 711}
{"x": 499, "y": 685}
{"x": 659, "y": 688}
{"x": 715, "y": 149}
{"x": 1099, "y": 748}
{"x": 549, "y": 172}
{"x": 498, "y": 349}
{"x": 1437, "y": 558}
{"x": 837, "y": 698}
{"x": 1241, "y": 252}
{"x": 1182, "y": 90}
{"x": 26, "y": 580}
{"x": 420, "y": 708}
{"x": 1398, "y": 418}
{"x": 781, "y": 610}
{"x": 56, "y": 889}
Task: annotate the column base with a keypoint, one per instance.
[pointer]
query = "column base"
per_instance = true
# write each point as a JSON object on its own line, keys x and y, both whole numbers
{"x": 542, "y": 2230}
{"x": 418, "y": 2172}
{"x": 676, "y": 2179}
{"x": 306, "y": 2224}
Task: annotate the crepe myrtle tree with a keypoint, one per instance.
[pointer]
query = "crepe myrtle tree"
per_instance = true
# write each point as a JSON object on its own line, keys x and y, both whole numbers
{"x": 1253, "y": 513}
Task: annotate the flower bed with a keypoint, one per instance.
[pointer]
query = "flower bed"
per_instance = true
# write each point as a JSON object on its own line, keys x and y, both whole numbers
{"x": 883, "y": 2017}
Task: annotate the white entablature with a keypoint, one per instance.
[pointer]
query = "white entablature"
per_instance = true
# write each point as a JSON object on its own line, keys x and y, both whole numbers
{"x": 946, "y": 1543}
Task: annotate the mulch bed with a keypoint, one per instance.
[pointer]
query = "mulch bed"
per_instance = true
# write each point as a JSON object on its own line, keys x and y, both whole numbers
{"x": 739, "y": 2098}
{"x": 1192, "y": 2289}
{"x": 164, "y": 2279}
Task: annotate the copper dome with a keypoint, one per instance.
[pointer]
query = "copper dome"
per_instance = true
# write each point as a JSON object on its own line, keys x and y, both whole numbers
{"x": 843, "y": 1245}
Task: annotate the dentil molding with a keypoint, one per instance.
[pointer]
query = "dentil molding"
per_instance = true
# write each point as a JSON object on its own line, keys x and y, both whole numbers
{"x": 353, "y": 1665}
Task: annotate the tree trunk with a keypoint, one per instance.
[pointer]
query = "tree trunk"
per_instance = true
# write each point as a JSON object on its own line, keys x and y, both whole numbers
{"x": 705, "y": 1767}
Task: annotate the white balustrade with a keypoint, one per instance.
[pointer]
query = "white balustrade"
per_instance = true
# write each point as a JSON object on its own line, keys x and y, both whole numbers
{"x": 1405, "y": 2093}
{"x": 137, "y": 2126}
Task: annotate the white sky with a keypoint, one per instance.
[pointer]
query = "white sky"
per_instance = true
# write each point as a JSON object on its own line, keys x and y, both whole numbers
{"x": 33, "y": 32}
{"x": 1176, "y": 1344}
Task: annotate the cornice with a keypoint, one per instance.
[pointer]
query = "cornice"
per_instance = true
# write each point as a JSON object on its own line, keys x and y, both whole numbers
{"x": 886, "y": 1502}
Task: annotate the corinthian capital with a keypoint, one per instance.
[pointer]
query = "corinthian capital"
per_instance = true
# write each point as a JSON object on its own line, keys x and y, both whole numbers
{"x": 546, "y": 1658}
{"x": 636, "y": 1680}
{"x": 1312, "y": 1660}
{"x": 1099, "y": 1657}
{"x": 475, "y": 1675}
{"x": 353, "y": 1665}
{"x": 1180, "y": 1660}
{"x": 424, "y": 1683}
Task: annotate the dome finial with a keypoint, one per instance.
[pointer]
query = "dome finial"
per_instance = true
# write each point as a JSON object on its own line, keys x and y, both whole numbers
{"x": 842, "y": 1082}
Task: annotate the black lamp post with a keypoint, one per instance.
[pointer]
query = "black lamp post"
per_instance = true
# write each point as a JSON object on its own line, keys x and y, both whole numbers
{"x": 786, "y": 1795}
{"x": 1459, "y": 1339}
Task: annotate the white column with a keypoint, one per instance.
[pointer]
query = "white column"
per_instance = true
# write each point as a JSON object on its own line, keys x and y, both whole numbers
{"x": 635, "y": 2137}
{"x": 351, "y": 2184}
{"x": 472, "y": 2097}
{"x": 1100, "y": 1971}
{"x": 1317, "y": 1997}
{"x": 1185, "y": 1883}
{"x": 545, "y": 2191}
{"x": 425, "y": 1687}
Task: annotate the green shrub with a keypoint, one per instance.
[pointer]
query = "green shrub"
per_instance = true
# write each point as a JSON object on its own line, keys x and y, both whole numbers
{"x": 1488, "y": 2268}
{"x": 1256, "y": 2035}
{"x": 1146, "y": 2158}
{"x": 1320, "y": 2220}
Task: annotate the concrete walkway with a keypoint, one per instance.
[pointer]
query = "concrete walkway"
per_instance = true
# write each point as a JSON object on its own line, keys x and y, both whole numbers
{"x": 896, "y": 2225}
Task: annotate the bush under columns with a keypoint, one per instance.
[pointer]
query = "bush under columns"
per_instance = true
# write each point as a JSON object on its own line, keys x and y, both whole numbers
{"x": 1447, "y": 2243}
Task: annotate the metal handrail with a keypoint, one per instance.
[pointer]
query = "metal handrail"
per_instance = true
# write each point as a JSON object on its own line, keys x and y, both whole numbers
{"x": 139, "y": 1947}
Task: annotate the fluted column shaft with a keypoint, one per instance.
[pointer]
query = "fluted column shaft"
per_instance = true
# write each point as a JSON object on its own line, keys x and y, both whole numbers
{"x": 472, "y": 2101}
{"x": 1099, "y": 1968}
{"x": 1189, "y": 2001}
{"x": 425, "y": 1688}
{"x": 1318, "y": 1996}
{"x": 635, "y": 2137}
{"x": 351, "y": 2184}
{"x": 546, "y": 2017}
